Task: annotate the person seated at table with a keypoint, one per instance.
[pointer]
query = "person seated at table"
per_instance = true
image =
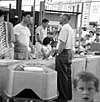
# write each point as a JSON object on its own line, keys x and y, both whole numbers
{"x": 86, "y": 86}
{"x": 46, "y": 48}
{"x": 92, "y": 36}
{"x": 97, "y": 38}
{"x": 88, "y": 39}
{"x": 82, "y": 45}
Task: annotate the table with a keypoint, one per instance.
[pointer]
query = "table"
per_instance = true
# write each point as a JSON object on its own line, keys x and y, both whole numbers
{"x": 93, "y": 65}
{"x": 78, "y": 65}
{"x": 43, "y": 82}
{"x": 3, "y": 70}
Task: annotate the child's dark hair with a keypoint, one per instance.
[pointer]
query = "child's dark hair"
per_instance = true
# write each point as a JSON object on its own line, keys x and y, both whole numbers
{"x": 2, "y": 13}
{"x": 91, "y": 32}
{"x": 82, "y": 39}
{"x": 46, "y": 41}
{"x": 86, "y": 77}
{"x": 45, "y": 20}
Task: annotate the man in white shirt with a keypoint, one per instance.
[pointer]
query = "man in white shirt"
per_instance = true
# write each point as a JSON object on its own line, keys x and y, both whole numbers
{"x": 22, "y": 33}
{"x": 66, "y": 42}
{"x": 41, "y": 33}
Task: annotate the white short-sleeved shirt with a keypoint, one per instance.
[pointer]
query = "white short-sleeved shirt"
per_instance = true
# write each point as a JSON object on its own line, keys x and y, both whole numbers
{"x": 23, "y": 34}
{"x": 67, "y": 35}
{"x": 47, "y": 48}
{"x": 42, "y": 32}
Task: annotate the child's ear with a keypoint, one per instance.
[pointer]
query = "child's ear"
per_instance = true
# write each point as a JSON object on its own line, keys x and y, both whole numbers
{"x": 74, "y": 88}
{"x": 74, "y": 84}
{"x": 97, "y": 89}
{"x": 97, "y": 85}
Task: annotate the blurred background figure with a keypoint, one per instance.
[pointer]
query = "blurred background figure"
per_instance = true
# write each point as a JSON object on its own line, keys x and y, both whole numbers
{"x": 14, "y": 20}
{"x": 97, "y": 38}
{"x": 6, "y": 38}
{"x": 41, "y": 33}
{"x": 46, "y": 48}
{"x": 23, "y": 45}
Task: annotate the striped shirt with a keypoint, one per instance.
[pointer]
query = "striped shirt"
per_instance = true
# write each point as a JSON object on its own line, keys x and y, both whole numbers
{"x": 3, "y": 38}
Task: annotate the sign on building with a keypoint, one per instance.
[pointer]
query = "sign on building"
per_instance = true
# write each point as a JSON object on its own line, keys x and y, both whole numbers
{"x": 85, "y": 14}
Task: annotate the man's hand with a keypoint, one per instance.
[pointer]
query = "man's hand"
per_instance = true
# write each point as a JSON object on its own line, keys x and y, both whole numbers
{"x": 54, "y": 52}
{"x": 32, "y": 49}
{"x": 38, "y": 39}
{"x": 61, "y": 46}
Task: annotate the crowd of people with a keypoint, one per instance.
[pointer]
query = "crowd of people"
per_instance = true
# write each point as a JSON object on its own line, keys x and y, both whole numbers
{"x": 15, "y": 43}
{"x": 88, "y": 37}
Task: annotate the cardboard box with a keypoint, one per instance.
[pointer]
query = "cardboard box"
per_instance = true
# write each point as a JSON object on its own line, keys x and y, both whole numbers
{"x": 43, "y": 83}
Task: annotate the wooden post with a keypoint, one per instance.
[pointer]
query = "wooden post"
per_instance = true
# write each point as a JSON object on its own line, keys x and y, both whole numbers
{"x": 80, "y": 29}
{"x": 18, "y": 8}
{"x": 77, "y": 15}
{"x": 9, "y": 14}
{"x": 42, "y": 9}
{"x": 33, "y": 26}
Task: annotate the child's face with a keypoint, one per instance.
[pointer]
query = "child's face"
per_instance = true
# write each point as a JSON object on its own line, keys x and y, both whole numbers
{"x": 86, "y": 91}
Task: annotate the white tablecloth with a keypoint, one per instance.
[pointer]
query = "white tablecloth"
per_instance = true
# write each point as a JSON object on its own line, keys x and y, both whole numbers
{"x": 93, "y": 65}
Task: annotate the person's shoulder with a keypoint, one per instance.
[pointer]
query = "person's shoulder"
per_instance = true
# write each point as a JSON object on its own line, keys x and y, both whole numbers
{"x": 65, "y": 26}
{"x": 9, "y": 23}
{"x": 39, "y": 27}
{"x": 43, "y": 46}
{"x": 17, "y": 26}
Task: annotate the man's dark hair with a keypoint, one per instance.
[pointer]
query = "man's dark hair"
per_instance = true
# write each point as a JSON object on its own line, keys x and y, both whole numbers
{"x": 67, "y": 15}
{"x": 25, "y": 14}
{"x": 2, "y": 13}
{"x": 45, "y": 20}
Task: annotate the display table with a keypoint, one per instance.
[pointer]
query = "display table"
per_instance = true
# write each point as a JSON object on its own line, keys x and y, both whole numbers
{"x": 78, "y": 65}
{"x": 50, "y": 63}
{"x": 3, "y": 70}
{"x": 87, "y": 63}
{"x": 93, "y": 65}
{"x": 42, "y": 82}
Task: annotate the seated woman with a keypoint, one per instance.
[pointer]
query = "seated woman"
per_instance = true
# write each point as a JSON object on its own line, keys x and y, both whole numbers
{"x": 46, "y": 48}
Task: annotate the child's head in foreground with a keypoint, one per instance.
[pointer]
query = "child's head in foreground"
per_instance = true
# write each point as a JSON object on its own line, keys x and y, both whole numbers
{"x": 86, "y": 86}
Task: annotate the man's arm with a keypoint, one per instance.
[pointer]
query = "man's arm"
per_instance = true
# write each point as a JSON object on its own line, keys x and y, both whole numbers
{"x": 62, "y": 39}
{"x": 38, "y": 39}
{"x": 11, "y": 36}
{"x": 60, "y": 46}
{"x": 31, "y": 46}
